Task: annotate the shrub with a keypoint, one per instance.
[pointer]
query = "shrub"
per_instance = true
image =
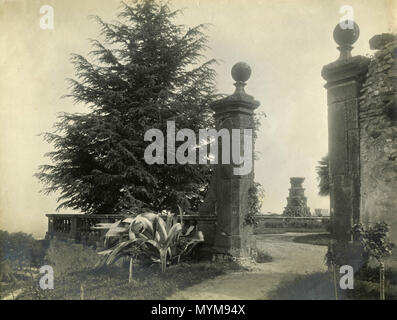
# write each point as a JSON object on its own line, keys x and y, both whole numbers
{"x": 21, "y": 249}
{"x": 262, "y": 257}
{"x": 6, "y": 272}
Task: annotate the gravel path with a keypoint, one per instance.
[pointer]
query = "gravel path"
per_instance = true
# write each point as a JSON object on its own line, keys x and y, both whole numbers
{"x": 289, "y": 259}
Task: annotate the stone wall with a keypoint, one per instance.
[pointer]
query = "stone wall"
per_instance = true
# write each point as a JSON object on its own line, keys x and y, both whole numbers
{"x": 378, "y": 135}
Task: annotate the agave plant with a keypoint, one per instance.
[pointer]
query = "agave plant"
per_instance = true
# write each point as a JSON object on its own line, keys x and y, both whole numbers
{"x": 134, "y": 236}
{"x": 171, "y": 241}
{"x": 124, "y": 237}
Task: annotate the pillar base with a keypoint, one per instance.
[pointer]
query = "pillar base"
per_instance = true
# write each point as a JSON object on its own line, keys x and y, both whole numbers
{"x": 352, "y": 254}
{"x": 237, "y": 246}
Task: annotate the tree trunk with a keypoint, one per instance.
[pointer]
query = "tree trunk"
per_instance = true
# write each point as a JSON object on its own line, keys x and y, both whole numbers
{"x": 335, "y": 286}
{"x": 382, "y": 280}
{"x": 130, "y": 271}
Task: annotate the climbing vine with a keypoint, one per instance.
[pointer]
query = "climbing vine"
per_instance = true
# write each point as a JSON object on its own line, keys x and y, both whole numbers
{"x": 255, "y": 196}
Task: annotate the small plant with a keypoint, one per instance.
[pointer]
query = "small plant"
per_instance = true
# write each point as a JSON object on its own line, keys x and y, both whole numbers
{"x": 330, "y": 260}
{"x": 375, "y": 241}
{"x": 262, "y": 257}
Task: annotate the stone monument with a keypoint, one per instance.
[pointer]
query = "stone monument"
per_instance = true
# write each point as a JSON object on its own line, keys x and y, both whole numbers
{"x": 296, "y": 202}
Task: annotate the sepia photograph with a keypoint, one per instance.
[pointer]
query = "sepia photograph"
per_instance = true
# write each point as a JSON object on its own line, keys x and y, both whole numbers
{"x": 198, "y": 154}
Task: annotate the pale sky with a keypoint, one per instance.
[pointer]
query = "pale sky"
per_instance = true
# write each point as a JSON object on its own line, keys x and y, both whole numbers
{"x": 286, "y": 42}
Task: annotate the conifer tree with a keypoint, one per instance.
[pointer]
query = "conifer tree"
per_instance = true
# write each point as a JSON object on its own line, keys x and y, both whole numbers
{"x": 147, "y": 70}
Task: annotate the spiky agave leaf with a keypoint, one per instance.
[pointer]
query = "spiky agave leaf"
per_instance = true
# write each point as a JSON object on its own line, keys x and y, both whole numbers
{"x": 160, "y": 228}
{"x": 101, "y": 262}
{"x": 189, "y": 231}
{"x": 117, "y": 252}
{"x": 198, "y": 238}
{"x": 116, "y": 229}
{"x": 173, "y": 233}
{"x": 142, "y": 225}
{"x": 128, "y": 220}
{"x": 105, "y": 252}
{"x": 180, "y": 214}
{"x": 170, "y": 221}
{"x": 102, "y": 226}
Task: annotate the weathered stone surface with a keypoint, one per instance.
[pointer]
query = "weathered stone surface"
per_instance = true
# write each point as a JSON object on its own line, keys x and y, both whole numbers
{"x": 378, "y": 136}
{"x": 228, "y": 193}
{"x": 341, "y": 71}
{"x": 344, "y": 82}
{"x": 345, "y": 37}
{"x": 380, "y": 40}
{"x": 297, "y": 202}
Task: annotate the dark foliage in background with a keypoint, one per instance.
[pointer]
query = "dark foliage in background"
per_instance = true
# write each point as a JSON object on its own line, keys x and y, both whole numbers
{"x": 20, "y": 250}
{"x": 323, "y": 176}
{"x": 147, "y": 71}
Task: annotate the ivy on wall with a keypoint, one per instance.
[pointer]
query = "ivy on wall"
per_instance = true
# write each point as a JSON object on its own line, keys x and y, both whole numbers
{"x": 255, "y": 197}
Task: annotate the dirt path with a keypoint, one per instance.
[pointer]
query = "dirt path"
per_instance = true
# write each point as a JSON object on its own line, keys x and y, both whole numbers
{"x": 289, "y": 259}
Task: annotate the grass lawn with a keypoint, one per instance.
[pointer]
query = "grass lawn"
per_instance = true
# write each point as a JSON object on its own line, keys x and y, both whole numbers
{"x": 75, "y": 276}
{"x": 320, "y": 239}
{"x": 112, "y": 284}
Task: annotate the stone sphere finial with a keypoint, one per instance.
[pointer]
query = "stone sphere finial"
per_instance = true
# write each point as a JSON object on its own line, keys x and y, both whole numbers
{"x": 241, "y": 72}
{"x": 345, "y": 34}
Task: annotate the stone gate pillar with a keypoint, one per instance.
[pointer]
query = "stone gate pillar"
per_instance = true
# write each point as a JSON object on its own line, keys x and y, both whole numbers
{"x": 232, "y": 235}
{"x": 344, "y": 80}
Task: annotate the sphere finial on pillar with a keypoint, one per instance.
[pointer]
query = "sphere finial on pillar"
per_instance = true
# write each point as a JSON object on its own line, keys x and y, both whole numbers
{"x": 241, "y": 72}
{"x": 345, "y": 34}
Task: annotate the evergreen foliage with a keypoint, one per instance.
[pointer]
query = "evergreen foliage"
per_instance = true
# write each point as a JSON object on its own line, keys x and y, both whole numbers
{"x": 145, "y": 72}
